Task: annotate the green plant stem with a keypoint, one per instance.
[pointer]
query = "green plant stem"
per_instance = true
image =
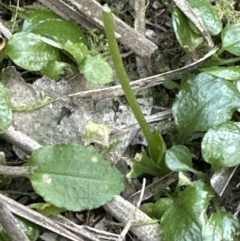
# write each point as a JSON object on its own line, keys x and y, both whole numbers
{"x": 227, "y": 61}
{"x": 123, "y": 78}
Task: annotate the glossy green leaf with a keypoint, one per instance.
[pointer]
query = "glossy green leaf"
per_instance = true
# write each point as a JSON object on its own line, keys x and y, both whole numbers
{"x": 96, "y": 70}
{"x": 28, "y": 51}
{"x": 79, "y": 51}
{"x": 185, "y": 217}
{"x": 179, "y": 158}
{"x": 53, "y": 69}
{"x": 146, "y": 165}
{"x": 231, "y": 38}
{"x": 30, "y": 229}
{"x": 160, "y": 146}
{"x": 221, "y": 226}
{"x": 208, "y": 14}
{"x": 203, "y": 102}
{"x": 147, "y": 208}
{"x": 161, "y": 206}
{"x": 5, "y": 109}
{"x": 186, "y": 37}
{"x": 221, "y": 145}
{"x": 74, "y": 177}
{"x": 228, "y": 73}
{"x": 48, "y": 24}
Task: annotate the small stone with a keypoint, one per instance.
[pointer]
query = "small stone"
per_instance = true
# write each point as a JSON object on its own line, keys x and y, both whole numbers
{"x": 156, "y": 5}
{"x": 149, "y": 33}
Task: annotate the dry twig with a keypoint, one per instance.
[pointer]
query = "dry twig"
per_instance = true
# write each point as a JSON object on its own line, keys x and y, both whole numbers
{"x": 10, "y": 224}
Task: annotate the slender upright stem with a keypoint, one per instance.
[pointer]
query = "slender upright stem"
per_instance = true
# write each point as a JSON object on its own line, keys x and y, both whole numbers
{"x": 124, "y": 80}
{"x": 122, "y": 75}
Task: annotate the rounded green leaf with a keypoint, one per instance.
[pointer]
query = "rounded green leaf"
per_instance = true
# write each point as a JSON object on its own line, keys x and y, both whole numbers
{"x": 209, "y": 16}
{"x": 5, "y": 109}
{"x": 184, "y": 218}
{"x": 53, "y": 69}
{"x": 74, "y": 177}
{"x": 186, "y": 37}
{"x": 221, "y": 145}
{"x": 161, "y": 206}
{"x": 28, "y": 51}
{"x": 147, "y": 208}
{"x": 96, "y": 70}
{"x": 147, "y": 165}
{"x": 79, "y": 51}
{"x": 179, "y": 158}
{"x": 203, "y": 102}
{"x": 228, "y": 73}
{"x": 231, "y": 38}
{"x": 47, "y": 23}
{"x": 221, "y": 226}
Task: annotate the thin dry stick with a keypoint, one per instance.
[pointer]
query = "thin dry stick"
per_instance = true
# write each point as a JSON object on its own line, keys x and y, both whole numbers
{"x": 87, "y": 232}
{"x": 10, "y": 224}
{"x": 143, "y": 64}
{"x": 16, "y": 171}
{"x": 150, "y": 189}
{"x": 20, "y": 140}
{"x": 35, "y": 217}
{"x": 67, "y": 12}
{"x": 129, "y": 223}
{"x": 119, "y": 208}
{"x": 4, "y": 30}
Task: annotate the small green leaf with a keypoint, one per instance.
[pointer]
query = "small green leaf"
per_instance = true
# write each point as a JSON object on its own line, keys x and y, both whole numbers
{"x": 186, "y": 37}
{"x": 96, "y": 70}
{"x": 28, "y": 51}
{"x": 179, "y": 158}
{"x": 230, "y": 39}
{"x": 47, "y": 209}
{"x": 203, "y": 102}
{"x": 161, "y": 206}
{"x": 171, "y": 84}
{"x": 208, "y": 14}
{"x": 48, "y": 24}
{"x": 185, "y": 217}
{"x": 79, "y": 51}
{"x": 146, "y": 165}
{"x": 5, "y": 109}
{"x": 74, "y": 177}
{"x": 228, "y": 73}
{"x": 53, "y": 69}
{"x": 221, "y": 226}
{"x": 221, "y": 145}
{"x": 147, "y": 208}
{"x": 160, "y": 148}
